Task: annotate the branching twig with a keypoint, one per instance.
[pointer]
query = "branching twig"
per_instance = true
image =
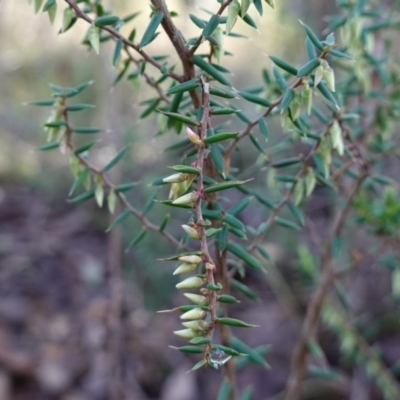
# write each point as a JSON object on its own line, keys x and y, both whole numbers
{"x": 80, "y": 14}
{"x": 310, "y": 325}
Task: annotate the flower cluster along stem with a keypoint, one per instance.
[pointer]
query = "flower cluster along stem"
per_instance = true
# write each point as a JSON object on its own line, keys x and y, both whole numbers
{"x": 210, "y": 265}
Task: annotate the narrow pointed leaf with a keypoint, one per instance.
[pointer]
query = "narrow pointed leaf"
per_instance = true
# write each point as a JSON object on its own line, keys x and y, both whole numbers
{"x": 151, "y": 29}
{"x": 233, "y": 322}
{"x": 184, "y": 87}
{"x": 210, "y": 69}
{"x": 220, "y": 136}
{"x": 255, "y": 99}
{"x": 116, "y": 159}
{"x": 211, "y": 25}
{"x": 84, "y": 196}
{"x": 241, "y": 347}
{"x": 106, "y": 20}
{"x": 87, "y": 130}
{"x": 117, "y": 52}
{"x": 186, "y": 169}
{"x": 124, "y": 187}
{"x": 244, "y": 289}
{"x": 79, "y": 180}
{"x": 284, "y": 65}
{"x": 49, "y": 146}
{"x": 244, "y": 255}
{"x": 179, "y": 117}
{"x": 313, "y": 37}
{"x": 223, "y": 186}
{"x": 308, "y": 68}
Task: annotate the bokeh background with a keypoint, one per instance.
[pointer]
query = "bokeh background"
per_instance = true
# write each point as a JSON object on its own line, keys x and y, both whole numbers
{"x": 58, "y": 337}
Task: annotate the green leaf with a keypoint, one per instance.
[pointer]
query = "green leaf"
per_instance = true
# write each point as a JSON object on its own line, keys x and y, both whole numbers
{"x": 244, "y": 289}
{"x": 233, "y": 322}
{"x": 234, "y": 222}
{"x": 121, "y": 218}
{"x": 200, "y": 23}
{"x": 263, "y": 200}
{"x": 263, "y": 128}
{"x": 241, "y": 347}
{"x": 179, "y": 117}
{"x": 42, "y": 103}
{"x": 137, "y": 238}
{"x": 214, "y": 286}
{"x": 222, "y": 111}
{"x": 227, "y": 350}
{"x": 326, "y": 93}
{"x": 49, "y": 146}
{"x": 106, "y": 20}
{"x": 184, "y": 87}
{"x": 285, "y": 223}
{"x": 200, "y": 364}
{"x": 217, "y": 158}
{"x": 247, "y": 394}
{"x": 287, "y": 98}
{"x": 217, "y": 91}
{"x": 211, "y": 25}
{"x": 284, "y": 65}
{"x": 244, "y": 255}
{"x": 55, "y": 124}
{"x": 150, "y": 31}
{"x": 287, "y": 162}
{"x": 224, "y": 185}
{"x": 210, "y": 69}
{"x": 48, "y": 5}
{"x": 124, "y": 187}
{"x": 249, "y": 21}
{"x": 224, "y": 390}
{"x": 255, "y": 99}
{"x": 296, "y": 212}
{"x": 239, "y": 207}
{"x": 85, "y": 147}
{"x": 313, "y": 37}
{"x": 220, "y": 136}
{"x": 200, "y": 340}
{"x": 309, "y": 67}
{"x": 149, "y": 204}
{"x": 116, "y": 159}
{"x": 189, "y": 349}
{"x": 323, "y": 373}
{"x": 87, "y": 130}
{"x": 117, "y": 52}
{"x": 79, "y": 180}
{"x": 186, "y": 169}
{"x": 79, "y": 107}
{"x": 310, "y": 49}
{"x": 226, "y": 298}
{"x": 339, "y": 54}
{"x": 84, "y": 196}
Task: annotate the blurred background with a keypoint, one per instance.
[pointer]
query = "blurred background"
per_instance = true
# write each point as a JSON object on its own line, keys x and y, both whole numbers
{"x": 58, "y": 335}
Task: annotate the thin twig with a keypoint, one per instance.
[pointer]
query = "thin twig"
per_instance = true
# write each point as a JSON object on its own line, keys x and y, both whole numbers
{"x": 310, "y": 325}
{"x": 80, "y": 14}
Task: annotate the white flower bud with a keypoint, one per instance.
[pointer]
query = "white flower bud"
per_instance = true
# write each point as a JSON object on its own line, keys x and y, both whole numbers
{"x": 190, "y": 283}
{"x": 191, "y": 232}
{"x": 195, "y": 313}
{"x": 190, "y": 259}
{"x": 185, "y": 267}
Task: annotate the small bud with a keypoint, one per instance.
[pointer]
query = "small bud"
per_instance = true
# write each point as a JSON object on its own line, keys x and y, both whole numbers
{"x": 190, "y": 283}
{"x": 189, "y": 198}
{"x": 318, "y": 75}
{"x": 193, "y": 137}
{"x": 196, "y": 298}
{"x": 185, "y": 333}
{"x": 306, "y": 97}
{"x": 176, "y": 178}
{"x": 197, "y": 325}
{"x": 336, "y": 136}
{"x": 190, "y": 259}
{"x": 329, "y": 76}
{"x": 191, "y": 232}
{"x": 196, "y": 313}
{"x": 310, "y": 181}
{"x": 233, "y": 12}
{"x": 185, "y": 267}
